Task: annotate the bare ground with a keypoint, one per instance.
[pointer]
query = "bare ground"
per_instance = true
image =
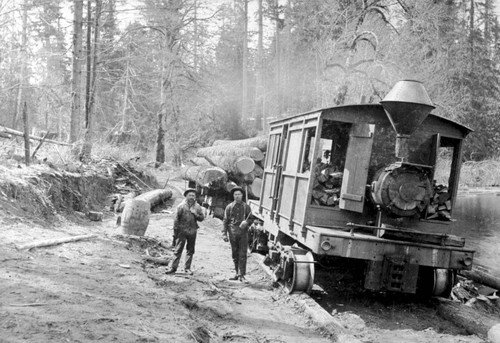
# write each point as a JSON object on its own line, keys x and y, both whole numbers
{"x": 104, "y": 290}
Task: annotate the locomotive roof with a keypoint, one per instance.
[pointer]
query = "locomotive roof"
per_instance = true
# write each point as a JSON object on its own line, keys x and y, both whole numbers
{"x": 369, "y": 108}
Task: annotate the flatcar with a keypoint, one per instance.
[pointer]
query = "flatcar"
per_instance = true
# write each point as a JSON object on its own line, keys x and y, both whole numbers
{"x": 371, "y": 182}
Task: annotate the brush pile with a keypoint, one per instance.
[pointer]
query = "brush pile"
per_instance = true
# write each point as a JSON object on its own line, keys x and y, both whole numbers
{"x": 216, "y": 170}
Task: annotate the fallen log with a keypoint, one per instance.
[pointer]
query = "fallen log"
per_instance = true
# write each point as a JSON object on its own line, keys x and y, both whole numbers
{"x": 156, "y": 260}
{"x": 470, "y": 319}
{"x": 482, "y": 277}
{"x": 155, "y": 197}
{"x": 119, "y": 203}
{"x": 259, "y": 142}
{"x": 131, "y": 173}
{"x": 233, "y": 164}
{"x": 55, "y": 241}
{"x": 21, "y": 134}
{"x": 229, "y": 150}
{"x": 205, "y": 176}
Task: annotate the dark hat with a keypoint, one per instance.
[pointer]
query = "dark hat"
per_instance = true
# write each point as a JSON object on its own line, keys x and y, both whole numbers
{"x": 189, "y": 190}
{"x": 237, "y": 188}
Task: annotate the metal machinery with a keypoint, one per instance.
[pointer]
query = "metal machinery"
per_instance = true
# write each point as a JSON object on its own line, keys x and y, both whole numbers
{"x": 332, "y": 185}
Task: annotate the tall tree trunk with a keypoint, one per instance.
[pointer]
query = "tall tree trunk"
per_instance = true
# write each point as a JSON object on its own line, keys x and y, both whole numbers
{"x": 92, "y": 56}
{"x": 125, "y": 97}
{"x": 259, "y": 84}
{"x": 76, "y": 86}
{"x": 278, "y": 61}
{"x": 26, "y": 135}
{"x": 487, "y": 7}
{"x": 196, "y": 36}
{"x": 88, "y": 53}
{"x": 23, "y": 59}
{"x": 471, "y": 34}
{"x": 244, "y": 78}
{"x": 160, "y": 131}
{"x": 95, "y": 58}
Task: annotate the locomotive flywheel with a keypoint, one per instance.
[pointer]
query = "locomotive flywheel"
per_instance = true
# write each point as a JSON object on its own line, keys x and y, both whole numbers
{"x": 402, "y": 189}
{"x": 298, "y": 271}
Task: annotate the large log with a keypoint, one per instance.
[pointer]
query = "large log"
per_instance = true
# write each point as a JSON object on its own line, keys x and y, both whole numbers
{"x": 205, "y": 176}
{"x": 230, "y": 185}
{"x": 229, "y": 150}
{"x": 259, "y": 142}
{"x": 255, "y": 188}
{"x": 468, "y": 318}
{"x": 482, "y": 277}
{"x": 155, "y": 197}
{"x": 258, "y": 170}
{"x": 233, "y": 164}
{"x": 243, "y": 179}
{"x": 199, "y": 161}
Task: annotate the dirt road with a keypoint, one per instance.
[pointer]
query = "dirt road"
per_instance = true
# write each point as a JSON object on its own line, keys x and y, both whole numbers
{"x": 103, "y": 290}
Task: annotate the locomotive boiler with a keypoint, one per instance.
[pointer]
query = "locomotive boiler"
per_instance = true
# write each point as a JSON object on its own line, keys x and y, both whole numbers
{"x": 372, "y": 182}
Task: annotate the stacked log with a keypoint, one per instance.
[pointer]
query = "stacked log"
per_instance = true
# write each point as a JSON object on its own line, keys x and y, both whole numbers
{"x": 242, "y": 162}
{"x": 255, "y": 187}
{"x": 233, "y": 165}
{"x": 205, "y": 176}
{"x": 227, "y": 150}
{"x": 326, "y": 191}
{"x": 259, "y": 142}
{"x": 440, "y": 206}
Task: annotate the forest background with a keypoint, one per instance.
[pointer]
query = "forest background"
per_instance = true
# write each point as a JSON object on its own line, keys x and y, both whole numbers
{"x": 164, "y": 77}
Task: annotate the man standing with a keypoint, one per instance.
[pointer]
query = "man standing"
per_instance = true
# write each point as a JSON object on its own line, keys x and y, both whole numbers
{"x": 235, "y": 223}
{"x": 188, "y": 214}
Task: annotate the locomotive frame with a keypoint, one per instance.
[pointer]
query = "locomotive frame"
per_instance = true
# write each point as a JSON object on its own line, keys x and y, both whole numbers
{"x": 406, "y": 250}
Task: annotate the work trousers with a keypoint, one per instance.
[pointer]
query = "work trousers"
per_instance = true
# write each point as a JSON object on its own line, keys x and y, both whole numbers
{"x": 187, "y": 238}
{"x": 239, "y": 246}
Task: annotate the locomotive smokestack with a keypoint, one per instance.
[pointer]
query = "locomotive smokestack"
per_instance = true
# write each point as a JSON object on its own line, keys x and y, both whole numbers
{"x": 407, "y": 105}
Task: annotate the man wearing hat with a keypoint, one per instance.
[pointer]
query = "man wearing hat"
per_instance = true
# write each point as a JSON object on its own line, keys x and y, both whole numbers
{"x": 188, "y": 214}
{"x": 235, "y": 222}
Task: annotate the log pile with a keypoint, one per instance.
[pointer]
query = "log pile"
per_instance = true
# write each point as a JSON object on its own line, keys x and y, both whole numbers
{"x": 440, "y": 206}
{"x": 327, "y": 184}
{"x": 238, "y": 162}
{"x": 205, "y": 176}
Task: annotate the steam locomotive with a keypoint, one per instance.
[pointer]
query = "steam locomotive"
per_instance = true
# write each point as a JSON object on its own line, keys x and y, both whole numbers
{"x": 371, "y": 182}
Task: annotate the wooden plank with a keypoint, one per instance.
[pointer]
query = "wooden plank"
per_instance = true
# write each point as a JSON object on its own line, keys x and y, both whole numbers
{"x": 356, "y": 168}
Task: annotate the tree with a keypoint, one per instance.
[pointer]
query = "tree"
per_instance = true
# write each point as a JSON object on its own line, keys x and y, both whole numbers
{"x": 92, "y": 53}
{"x": 76, "y": 69}
{"x": 23, "y": 80}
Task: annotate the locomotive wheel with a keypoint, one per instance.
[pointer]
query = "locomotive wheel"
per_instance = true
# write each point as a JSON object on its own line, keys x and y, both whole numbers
{"x": 436, "y": 282}
{"x": 444, "y": 280}
{"x": 298, "y": 271}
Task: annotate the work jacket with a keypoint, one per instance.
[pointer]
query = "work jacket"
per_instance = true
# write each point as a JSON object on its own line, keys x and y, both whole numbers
{"x": 186, "y": 220}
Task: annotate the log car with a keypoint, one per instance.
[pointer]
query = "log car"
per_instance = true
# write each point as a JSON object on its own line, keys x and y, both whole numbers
{"x": 371, "y": 182}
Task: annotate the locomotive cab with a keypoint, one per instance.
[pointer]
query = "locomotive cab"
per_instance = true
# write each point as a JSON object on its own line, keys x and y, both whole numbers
{"x": 375, "y": 182}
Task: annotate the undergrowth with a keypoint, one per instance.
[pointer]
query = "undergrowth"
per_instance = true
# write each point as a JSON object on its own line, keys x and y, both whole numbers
{"x": 484, "y": 173}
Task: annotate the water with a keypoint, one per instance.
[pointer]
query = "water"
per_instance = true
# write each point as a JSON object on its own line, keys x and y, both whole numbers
{"x": 478, "y": 218}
